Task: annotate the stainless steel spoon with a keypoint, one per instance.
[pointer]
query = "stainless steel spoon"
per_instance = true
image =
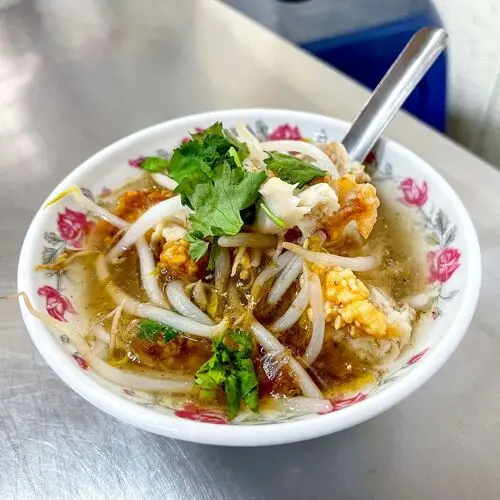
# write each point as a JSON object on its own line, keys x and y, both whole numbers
{"x": 403, "y": 76}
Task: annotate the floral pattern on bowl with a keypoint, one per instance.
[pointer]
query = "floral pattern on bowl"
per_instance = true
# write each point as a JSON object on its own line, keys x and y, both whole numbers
{"x": 444, "y": 259}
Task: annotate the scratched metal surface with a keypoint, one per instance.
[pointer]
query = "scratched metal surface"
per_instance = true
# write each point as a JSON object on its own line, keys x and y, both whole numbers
{"x": 75, "y": 76}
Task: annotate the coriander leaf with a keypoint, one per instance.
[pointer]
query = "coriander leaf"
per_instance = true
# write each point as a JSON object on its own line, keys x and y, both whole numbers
{"x": 247, "y": 191}
{"x": 234, "y": 155}
{"x": 169, "y": 333}
{"x": 291, "y": 169}
{"x": 217, "y": 204}
{"x": 217, "y": 130}
{"x": 154, "y": 164}
{"x": 218, "y": 344}
{"x": 147, "y": 329}
{"x": 193, "y": 161}
{"x": 197, "y": 248}
{"x": 242, "y": 340}
{"x": 240, "y": 147}
{"x": 187, "y": 162}
{"x": 233, "y": 395}
{"x": 212, "y": 182}
{"x": 210, "y": 374}
{"x": 249, "y": 383}
{"x": 231, "y": 369}
{"x": 245, "y": 370}
{"x": 214, "y": 129}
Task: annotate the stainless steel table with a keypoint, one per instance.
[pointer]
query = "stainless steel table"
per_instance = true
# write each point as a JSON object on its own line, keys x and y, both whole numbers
{"x": 75, "y": 76}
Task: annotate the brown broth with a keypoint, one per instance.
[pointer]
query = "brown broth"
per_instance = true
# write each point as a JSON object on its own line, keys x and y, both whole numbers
{"x": 398, "y": 240}
{"x": 336, "y": 370}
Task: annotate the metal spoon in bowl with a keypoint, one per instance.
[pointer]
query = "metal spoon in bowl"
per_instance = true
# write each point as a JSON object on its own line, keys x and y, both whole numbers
{"x": 392, "y": 91}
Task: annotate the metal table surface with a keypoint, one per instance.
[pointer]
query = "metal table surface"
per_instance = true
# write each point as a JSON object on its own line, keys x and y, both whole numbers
{"x": 75, "y": 76}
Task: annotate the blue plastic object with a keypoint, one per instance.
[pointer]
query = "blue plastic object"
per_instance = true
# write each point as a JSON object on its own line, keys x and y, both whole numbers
{"x": 360, "y": 38}
{"x": 367, "y": 55}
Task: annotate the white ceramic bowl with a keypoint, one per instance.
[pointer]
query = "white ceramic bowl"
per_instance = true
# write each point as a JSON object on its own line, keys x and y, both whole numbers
{"x": 453, "y": 259}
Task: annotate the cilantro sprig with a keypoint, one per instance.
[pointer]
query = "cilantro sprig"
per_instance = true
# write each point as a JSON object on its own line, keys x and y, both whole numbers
{"x": 231, "y": 368}
{"x": 150, "y": 330}
{"x": 292, "y": 169}
{"x": 154, "y": 164}
{"x": 214, "y": 184}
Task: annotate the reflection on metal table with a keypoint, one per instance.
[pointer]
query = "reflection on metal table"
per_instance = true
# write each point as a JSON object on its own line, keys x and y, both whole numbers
{"x": 74, "y": 77}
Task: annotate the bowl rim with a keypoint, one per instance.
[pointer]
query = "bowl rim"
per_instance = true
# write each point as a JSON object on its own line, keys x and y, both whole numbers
{"x": 267, "y": 433}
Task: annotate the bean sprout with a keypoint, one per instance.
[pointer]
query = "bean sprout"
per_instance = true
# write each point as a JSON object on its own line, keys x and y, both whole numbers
{"x": 318, "y": 329}
{"x": 148, "y": 268}
{"x": 289, "y": 274}
{"x": 141, "y": 382}
{"x": 295, "y": 311}
{"x": 270, "y": 271}
{"x": 329, "y": 260}
{"x": 272, "y": 346}
{"x": 181, "y": 303}
{"x": 150, "y": 311}
{"x": 161, "y": 211}
{"x": 222, "y": 269}
{"x": 164, "y": 181}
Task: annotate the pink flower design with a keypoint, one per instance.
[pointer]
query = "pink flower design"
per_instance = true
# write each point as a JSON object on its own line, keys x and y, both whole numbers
{"x": 136, "y": 162}
{"x": 413, "y": 194}
{"x": 344, "y": 403}
{"x": 81, "y": 362}
{"x": 285, "y": 132}
{"x": 192, "y": 412}
{"x": 415, "y": 358}
{"x": 56, "y": 304}
{"x": 72, "y": 226}
{"x": 443, "y": 263}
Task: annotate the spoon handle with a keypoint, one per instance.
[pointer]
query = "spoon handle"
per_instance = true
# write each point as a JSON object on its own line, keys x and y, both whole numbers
{"x": 392, "y": 91}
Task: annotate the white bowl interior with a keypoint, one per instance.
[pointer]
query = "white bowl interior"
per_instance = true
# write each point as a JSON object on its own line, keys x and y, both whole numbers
{"x": 454, "y": 261}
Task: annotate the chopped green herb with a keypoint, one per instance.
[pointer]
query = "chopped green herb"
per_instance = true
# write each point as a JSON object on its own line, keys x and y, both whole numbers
{"x": 217, "y": 204}
{"x": 234, "y": 155}
{"x": 214, "y": 184}
{"x": 248, "y": 382}
{"x": 233, "y": 394}
{"x": 292, "y": 169}
{"x": 216, "y": 131}
{"x": 169, "y": 333}
{"x": 231, "y": 369}
{"x": 242, "y": 341}
{"x": 147, "y": 329}
{"x": 194, "y": 160}
{"x": 154, "y": 164}
{"x": 272, "y": 216}
{"x": 198, "y": 247}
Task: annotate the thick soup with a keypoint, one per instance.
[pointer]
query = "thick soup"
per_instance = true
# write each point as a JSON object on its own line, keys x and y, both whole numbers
{"x": 242, "y": 275}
